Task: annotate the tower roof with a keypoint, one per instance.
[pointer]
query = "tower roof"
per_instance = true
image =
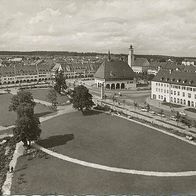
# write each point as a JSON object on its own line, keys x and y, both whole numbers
{"x": 114, "y": 70}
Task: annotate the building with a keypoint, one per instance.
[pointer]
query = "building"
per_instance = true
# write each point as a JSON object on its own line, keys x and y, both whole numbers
{"x": 138, "y": 65}
{"x": 178, "y": 87}
{"x": 20, "y": 74}
{"x": 188, "y": 62}
{"x": 115, "y": 74}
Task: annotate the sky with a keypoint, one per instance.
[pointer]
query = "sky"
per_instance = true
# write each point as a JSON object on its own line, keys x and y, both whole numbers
{"x": 166, "y": 27}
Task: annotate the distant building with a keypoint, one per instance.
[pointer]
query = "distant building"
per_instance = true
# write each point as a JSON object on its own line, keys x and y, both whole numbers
{"x": 138, "y": 65}
{"x": 189, "y": 62}
{"x": 19, "y": 74}
{"x": 115, "y": 74}
{"x": 178, "y": 87}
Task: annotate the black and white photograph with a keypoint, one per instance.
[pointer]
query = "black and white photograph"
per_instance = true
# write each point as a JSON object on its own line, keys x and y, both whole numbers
{"x": 98, "y": 97}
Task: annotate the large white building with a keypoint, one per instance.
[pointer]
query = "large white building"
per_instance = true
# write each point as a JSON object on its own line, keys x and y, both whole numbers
{"x": 178, "y": 87}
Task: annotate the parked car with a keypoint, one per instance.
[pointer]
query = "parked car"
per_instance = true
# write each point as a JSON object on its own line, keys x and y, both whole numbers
{"x": 152, "y": 112}
{"x": 173, "y": 118}
{"x": 189, "y": 137}
{"x": 182, "y": 113}
{"x": 144, "y": 110}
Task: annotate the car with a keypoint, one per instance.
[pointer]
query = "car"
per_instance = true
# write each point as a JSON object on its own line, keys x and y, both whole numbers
{"x": 144, "y": 110}
{"x": 189, "y": 137}
{"x": 173, "y": 118}
{"x": 182, "y": 113}
{"x": 152, "y": 112}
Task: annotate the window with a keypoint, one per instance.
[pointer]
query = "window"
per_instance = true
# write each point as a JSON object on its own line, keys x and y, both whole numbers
{"x": 171, "y": 99}
{"x": 178, "y": 100}
{"x": 192, "y": 103}
{"x": 171, "y": 92}
{"x": 189, "y": 95}
{"x": 174, "y": 92}
{"x": 178, "y": 93}
{"x": 174, "y": 100}
{"x": 184, "y": 102}
{"x": 183, "y": 94}
{"x": 181, "y": 101}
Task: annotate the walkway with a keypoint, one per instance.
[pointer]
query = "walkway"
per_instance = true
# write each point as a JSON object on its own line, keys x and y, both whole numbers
{"x": 115, "y": 169}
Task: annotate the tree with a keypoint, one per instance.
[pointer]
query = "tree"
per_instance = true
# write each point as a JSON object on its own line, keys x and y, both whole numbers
{"x": 135, "y": 105}
{"x": 27, "y": 124}
{"x": 81, "y": 98}
{"x": 52, "y": 97}
{"x": 27, "y": 129}
{"x": 60, "y": 83}
{"x": 21, "y": 97}
{"x": 178, "y": 117}
{"x": 186, "y": 121}
{"x": 148, "y": 107}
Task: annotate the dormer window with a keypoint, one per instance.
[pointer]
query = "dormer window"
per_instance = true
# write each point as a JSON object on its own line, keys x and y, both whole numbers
{"x": 184, "y": 81}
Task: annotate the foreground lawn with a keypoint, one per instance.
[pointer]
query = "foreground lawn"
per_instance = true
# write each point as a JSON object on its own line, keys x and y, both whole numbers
{"x": 48, "y": 175}
{"x": 8, "y": 118}
{"x": 42, "y": 95}
{"x": 111, "y": 141}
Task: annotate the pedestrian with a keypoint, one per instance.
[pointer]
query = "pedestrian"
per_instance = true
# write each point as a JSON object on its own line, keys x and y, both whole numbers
{"x": 12, "y": 169}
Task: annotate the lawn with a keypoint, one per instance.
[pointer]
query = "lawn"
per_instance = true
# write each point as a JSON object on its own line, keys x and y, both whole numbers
{"x": 172, "y": 105}
{"x": 8, "y": 118}
{"x": 110, "y": 141}
{"x": 191, "y": 110}
{"x": 42, "y": 95}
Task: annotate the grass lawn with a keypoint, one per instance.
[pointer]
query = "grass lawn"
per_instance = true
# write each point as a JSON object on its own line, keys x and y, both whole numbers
{"x": 42, "y": 95}
{"x": 110, "y": 141}
{"x": 8, "y": 118}
{"x": 172, "y": 105}
{"x": 191, "y": 110}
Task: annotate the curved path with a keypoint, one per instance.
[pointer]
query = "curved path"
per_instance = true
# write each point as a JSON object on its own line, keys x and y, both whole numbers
{"x": 115, "y": 169}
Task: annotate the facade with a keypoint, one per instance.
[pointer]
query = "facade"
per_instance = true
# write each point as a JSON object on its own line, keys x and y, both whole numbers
{"x": 115, "y": 74}
{"x": 188, "y": 62}
{"x": 178, "y": 87}
{"x": 140, "y": 65}
{"x": 20, "y": 74}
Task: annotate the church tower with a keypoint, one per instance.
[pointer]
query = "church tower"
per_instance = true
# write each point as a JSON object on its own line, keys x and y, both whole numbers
{"x": 131, "y": 56}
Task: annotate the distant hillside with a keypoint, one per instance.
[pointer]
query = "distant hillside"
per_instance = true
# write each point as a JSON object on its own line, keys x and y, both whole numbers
{"x": 66, "y": 53}
{"x": 49, "y": 53}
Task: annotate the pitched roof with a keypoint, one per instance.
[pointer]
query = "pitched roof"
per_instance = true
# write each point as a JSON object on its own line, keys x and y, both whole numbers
{"x": 176, "y": 77}
{"x": 141, "y": 62}
{"x": 114, "y": 70}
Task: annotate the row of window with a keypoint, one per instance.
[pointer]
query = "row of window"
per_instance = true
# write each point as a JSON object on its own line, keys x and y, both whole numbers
{"x": 174, "y": 92}
{"x": 161, "y": 84}
{"x": 183, "y": 102}
{"x": 176, "y": 86}
{"x": 178, "y": 101}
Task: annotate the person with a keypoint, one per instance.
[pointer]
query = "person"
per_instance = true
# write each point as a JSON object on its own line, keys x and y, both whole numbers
{"x": 12, "y": 169}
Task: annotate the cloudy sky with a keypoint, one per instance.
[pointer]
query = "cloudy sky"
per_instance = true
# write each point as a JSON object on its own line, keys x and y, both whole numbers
{"x": 152, "y": 26}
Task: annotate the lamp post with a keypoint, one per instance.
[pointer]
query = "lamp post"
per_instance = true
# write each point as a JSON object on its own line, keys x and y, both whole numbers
{"x": 102, "y": 91}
